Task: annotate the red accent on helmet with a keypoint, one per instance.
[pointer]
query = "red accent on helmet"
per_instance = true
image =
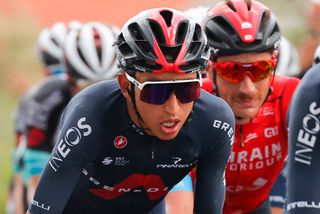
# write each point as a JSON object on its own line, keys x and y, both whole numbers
{"x": 239, "y": 26}
{"x": 162, "y": 40}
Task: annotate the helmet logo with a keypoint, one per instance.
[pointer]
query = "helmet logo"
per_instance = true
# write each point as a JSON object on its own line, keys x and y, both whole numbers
{"x": 246, "y": 25}
{"x": 120, "y": 142}
{"x": 248, "y": 37}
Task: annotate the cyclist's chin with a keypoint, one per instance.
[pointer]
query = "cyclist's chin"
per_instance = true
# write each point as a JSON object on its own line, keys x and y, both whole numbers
{"x": 167, "y": 136}
{"x": 243, "y": 116}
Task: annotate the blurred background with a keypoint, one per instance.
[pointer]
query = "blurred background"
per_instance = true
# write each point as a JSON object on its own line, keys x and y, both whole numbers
{"x": 22, "y": 20}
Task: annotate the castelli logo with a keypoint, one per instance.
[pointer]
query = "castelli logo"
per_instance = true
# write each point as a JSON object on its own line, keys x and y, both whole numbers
{"x": 120, "y": 142}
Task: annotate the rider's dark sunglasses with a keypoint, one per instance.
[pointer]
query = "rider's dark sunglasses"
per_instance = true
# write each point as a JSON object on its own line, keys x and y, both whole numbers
{"x": 158, "y": 92}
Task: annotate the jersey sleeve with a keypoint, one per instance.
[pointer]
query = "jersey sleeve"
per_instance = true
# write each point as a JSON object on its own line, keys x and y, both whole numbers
{"x": 77, "y": 144}
{"x": 278, "y": 191}
{"x": 303, "y": 189}
{"x": 210, "y": 176}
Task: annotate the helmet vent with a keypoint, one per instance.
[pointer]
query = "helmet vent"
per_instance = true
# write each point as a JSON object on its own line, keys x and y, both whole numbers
{"x": 55, "y": 41}
{"x": 147, "y": 49}
{"x": 231, "y": 6}
{"x": 181, "y": 32}
{"x": 135, "y": 31}
{"x": 81, "y": 55}
{"x": 197, "y": 36}
{"x": 223, "y": 24}
{"x": 123, "y": 47}
{"x": 157, "y": 32}
{"x": 212, "y": 36}
{"x": 167, "y": 16}
{"x": 171, "y": 53}
{"x": 98, "y": 44}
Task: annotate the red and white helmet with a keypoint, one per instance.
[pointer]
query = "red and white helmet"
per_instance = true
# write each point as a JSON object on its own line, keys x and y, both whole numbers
{"x": 238, "y": 26}
{"x": 89, "y": 52}
{"x": 162, "y": 40}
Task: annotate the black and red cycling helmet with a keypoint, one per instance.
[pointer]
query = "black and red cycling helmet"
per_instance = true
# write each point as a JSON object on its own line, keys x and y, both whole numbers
{"x": 238, "y": 26}
{"x": 162, "y": 40}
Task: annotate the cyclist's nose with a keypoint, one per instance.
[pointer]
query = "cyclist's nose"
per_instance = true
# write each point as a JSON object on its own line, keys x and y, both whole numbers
{"x": 247, "y": 86}
{"x": 171, "y": 106}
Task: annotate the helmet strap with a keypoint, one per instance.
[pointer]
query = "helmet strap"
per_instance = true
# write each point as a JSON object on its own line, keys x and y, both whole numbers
{"x": 133, "y": 100}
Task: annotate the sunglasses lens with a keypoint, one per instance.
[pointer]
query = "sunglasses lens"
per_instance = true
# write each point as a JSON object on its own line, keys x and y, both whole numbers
{"x": 187, "y": 93}
{"x": 262, "y": 70}
{"x": 158, "y": 94}
{"x": 235, "y": 72}
{"x": 155, "y": 94}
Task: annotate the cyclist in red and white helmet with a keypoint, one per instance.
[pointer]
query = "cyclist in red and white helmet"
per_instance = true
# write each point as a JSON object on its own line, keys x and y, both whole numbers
{"x": 124, "y": 144}
{"x": 244, "y": 37}
{"x": 88, "y": 58}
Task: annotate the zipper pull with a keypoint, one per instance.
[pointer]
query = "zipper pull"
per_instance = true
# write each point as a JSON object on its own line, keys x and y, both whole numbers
{"x": 241, "y": 137}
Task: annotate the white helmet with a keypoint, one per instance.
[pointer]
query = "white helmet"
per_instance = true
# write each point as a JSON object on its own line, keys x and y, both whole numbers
{"x": 197, "y": 13}
{"x": 50, "y": 42}
{"x": 89, "y": 52}
{"x": 288, "y": 62}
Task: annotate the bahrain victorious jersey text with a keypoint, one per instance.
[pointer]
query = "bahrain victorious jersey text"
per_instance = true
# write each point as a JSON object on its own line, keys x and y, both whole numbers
{"x": 260, "y": 149}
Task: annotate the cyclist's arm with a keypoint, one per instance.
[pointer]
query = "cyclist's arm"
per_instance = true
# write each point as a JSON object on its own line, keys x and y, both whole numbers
{"x": 278, "y": 192}
{"x": 303, "y": 189}
{"x": 76, "y": 145}
{"x": 210, "y": 177}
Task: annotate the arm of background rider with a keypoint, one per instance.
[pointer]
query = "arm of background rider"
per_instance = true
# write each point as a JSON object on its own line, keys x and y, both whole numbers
{"x": 303, "y": 189}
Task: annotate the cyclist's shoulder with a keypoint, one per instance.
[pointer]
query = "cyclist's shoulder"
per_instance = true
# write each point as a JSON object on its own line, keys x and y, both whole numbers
{"x": 50, "y": 85}
{"x": 284, "y": 85}
{"x": 312, "y": 76}
{"x": 98, "y": 98}
{"x": 211, "y": 106}
{"x": 282, "y": 81}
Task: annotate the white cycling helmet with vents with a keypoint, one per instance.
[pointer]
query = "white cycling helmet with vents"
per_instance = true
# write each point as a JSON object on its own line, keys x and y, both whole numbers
{"x": 89, "y": 52}
{"x": 288, "y": 62}
{"x": 50, "y": 42}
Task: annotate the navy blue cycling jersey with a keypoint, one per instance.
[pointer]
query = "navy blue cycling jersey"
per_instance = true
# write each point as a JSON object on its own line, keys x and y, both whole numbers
{"x": 303, "y": 189}
{"x": 103, "y": 163}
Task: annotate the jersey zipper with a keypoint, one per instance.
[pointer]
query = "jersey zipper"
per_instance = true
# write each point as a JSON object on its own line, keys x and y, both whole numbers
{"x": 238, "y": 170}
{"x": 241, "y": 137}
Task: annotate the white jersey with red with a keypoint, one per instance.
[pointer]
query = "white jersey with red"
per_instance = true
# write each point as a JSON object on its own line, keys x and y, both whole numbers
{"x": 259, "y": 151}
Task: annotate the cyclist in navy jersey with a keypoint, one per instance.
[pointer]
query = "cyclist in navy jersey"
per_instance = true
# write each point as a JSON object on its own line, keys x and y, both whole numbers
{"x": 303, "y": 189}
{"x": 122, "y": 145}
{"x": 89, "y": 57}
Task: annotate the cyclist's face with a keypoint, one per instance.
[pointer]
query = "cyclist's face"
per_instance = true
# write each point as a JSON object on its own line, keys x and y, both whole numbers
{"x": 163, "y": 120}
{"x": 245, "y": 97}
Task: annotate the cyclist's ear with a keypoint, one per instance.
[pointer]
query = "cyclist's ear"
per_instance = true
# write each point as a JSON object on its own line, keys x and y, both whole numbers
{"x": 124, "y": 84}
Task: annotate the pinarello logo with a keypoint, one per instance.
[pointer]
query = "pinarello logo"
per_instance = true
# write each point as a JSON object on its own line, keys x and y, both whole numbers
{"x": 120, "y": 142}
